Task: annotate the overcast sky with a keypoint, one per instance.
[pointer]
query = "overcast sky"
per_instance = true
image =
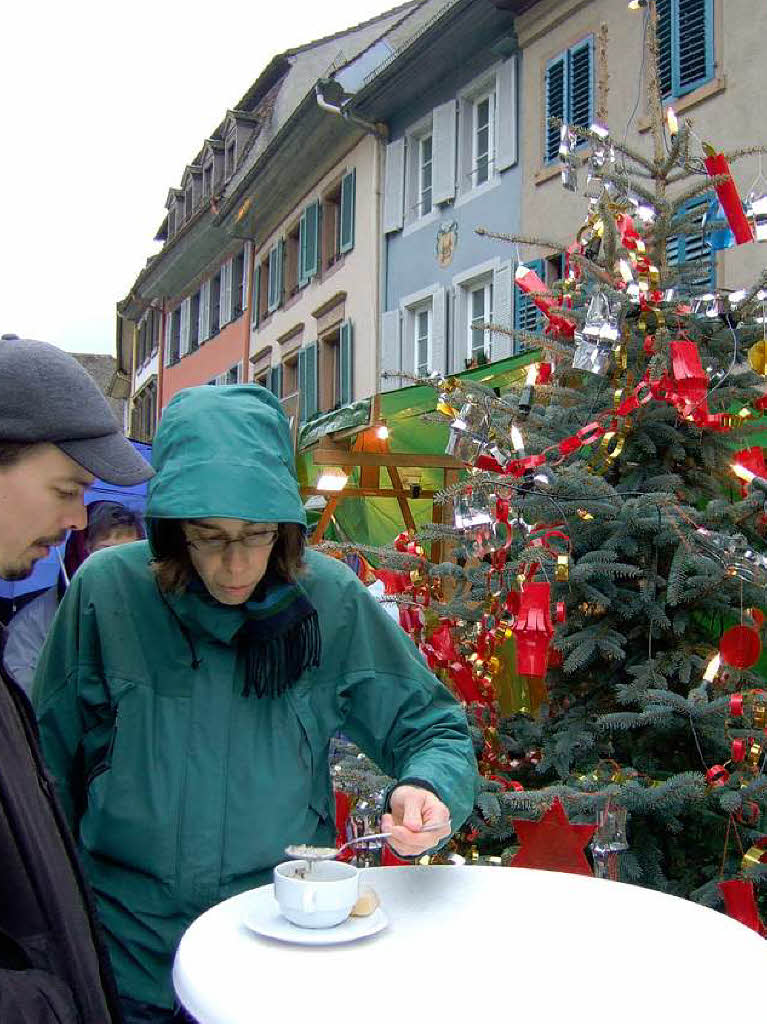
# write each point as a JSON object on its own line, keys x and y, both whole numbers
{"x": 103, "y": 105}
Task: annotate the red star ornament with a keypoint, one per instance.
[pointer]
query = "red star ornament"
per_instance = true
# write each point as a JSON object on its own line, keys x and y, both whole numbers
{"x": 552, "y": 843}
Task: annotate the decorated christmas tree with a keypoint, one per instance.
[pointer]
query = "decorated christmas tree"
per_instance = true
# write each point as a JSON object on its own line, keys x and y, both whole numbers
{"x": 600, "y": 608}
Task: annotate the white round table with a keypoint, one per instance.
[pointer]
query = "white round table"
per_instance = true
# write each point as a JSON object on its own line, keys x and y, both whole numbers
{"x": 468, "y": 943}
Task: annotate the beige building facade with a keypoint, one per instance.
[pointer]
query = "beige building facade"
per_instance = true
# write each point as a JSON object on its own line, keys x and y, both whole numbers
{"x": 711, "y": 63}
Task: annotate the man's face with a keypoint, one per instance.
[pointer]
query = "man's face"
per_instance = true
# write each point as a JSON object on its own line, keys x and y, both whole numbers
{"x": 120, "y": 535}
{"x": 41, "y": 497}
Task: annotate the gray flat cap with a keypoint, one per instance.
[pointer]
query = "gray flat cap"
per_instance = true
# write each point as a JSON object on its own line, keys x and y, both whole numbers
{"x": 46, "y": 395}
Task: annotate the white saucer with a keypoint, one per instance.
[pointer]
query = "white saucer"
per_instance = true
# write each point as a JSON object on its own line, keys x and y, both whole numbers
{"x": 263, "y": 916}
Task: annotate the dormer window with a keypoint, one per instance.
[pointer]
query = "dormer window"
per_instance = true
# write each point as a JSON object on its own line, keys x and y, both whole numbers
{"x": 229, "y": 158}
{"x": 188, "y": 207}
{"x": 207, "y": 180}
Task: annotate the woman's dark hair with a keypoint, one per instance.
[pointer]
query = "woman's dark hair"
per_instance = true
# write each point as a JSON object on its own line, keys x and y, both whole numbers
{"x": 173, "y": 566}
{"x": 12, "y": 452}
{"x": 106, "y": 516}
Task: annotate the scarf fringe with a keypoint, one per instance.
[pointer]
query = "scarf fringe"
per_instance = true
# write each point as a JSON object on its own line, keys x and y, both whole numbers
{"x": 274, "y": 664}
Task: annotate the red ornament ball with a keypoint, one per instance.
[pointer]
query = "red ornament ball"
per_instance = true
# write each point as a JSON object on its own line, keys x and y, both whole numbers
{"x": 740, "y": 647}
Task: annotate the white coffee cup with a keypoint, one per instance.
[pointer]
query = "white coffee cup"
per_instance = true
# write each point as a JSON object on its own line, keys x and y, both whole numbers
{"x": 320, "y": 896}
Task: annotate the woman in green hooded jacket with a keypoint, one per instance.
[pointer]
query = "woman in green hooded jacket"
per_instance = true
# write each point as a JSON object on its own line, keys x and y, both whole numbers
{"x": 191, "y": 684}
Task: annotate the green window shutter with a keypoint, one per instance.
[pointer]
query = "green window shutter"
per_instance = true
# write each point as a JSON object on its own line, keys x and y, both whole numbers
{"x": 309, "y": 248}
{"x": 255, "y": 299}
{"x": 311, "y": 380}
{"x": 275, "y": 381}
{"x": 348, "y": 203}
{"x": 302, "y": 383}
{"x": 346, "y": 363}
{"x": 527, "y": 316}
{"x": 556, "y": 91}
{"x": 580, "y": 79}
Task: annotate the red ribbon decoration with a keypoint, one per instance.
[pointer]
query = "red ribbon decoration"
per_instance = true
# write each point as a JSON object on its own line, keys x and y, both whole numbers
{"x": 753, "y": 459}
{"x": 529, "y": 283}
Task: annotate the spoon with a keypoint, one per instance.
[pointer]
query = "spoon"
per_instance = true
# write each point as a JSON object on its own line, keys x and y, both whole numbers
{"x": 314, "y": 853}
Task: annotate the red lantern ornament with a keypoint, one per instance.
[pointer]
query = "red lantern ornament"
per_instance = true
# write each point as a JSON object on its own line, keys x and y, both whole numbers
{"x": 533, "y": 628}
{"x": 753, "y": 459}
{"x": 740, "y": 647}
{"x": 717, "y": 775}
{"x": 690, "y": 380}
{"x": 552, "y": 843}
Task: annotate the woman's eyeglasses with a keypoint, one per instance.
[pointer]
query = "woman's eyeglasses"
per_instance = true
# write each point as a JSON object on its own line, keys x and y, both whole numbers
{"x": 217, "y": 545}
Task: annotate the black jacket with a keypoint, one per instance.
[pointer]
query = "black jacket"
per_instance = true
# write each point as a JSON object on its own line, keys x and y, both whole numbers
{"x": 54, "y": 968}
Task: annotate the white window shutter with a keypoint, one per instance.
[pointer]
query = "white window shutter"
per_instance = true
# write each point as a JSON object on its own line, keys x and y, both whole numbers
{"x": 503, "y": 284}
{"x": 390, "y": 348}
{"x": 465, "y": 146}
{"x": 226, "y": 293}
{"x": 407, "y": 328}
{"x": 443, "y": 152}
{"x": 438, "y": 331}
{"x": 459, "y": 349}
{"x": 506, "y": 115}
{"x": 204, "y": 328}
{"x": 394, "y": 188}
{"x": 166, "y": 343}
{"x": 185, "y": 311}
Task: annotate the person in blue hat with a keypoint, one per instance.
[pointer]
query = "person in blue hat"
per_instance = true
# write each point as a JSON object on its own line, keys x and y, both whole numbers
{"x": 56, "y": 434}
{"x": 191, "y": 685}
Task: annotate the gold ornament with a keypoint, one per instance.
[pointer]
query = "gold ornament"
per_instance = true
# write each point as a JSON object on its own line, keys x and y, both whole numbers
{"x": 757, "y": 357}
{"x": 563, "y": 568}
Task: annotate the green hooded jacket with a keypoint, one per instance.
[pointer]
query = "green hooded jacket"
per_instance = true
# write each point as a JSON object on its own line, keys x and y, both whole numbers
{"x": 182, "y": 791}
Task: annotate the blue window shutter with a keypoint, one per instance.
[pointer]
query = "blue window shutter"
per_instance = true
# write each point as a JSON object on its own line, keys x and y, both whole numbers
{"x": 276, "y": 257}
{"x": 580, "y": 81}
{"x": 346, "y": 363}
{"x": 694, "y": 51}
{"x": 348, "y": 203}
{"x": 556, "y": 91}
{"x": 692, "y": 247}
{"x": 302, "y": 250}
{"x": 527, "y": 316}
{"x": 277, "y": 381}
{"x": 665, "y": 47}
{"x": 255, "y": 298}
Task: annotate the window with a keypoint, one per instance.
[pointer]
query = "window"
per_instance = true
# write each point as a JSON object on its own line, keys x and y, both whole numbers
{"x": 194, "y": 322}
{"x": 229, "y": 157}
{"x": 480, "y": 312}
{"x": 483, "y": 139}
{"x": 292, "y": 250}
{"x": 331, "y": 226}
{"x": 690, "y": 250}
{"x": 215, "y": 305}
{"x": 685, "y": 45}
{"x": 348, "y": 211}
{"x": 569, "y": 92}
{"x": 207, "y": 180}
{"x": 232, "y": 375}
{"x": 238, "y": 284}
{"x": 424, "y": 175}
{"x": 276, "y": 259}
{"x": 422, "y": 341}
{"x": 289, "y": 376}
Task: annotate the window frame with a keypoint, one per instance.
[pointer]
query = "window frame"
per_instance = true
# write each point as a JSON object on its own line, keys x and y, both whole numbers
{"x": 485, "y": 285}
{"x": 417, "y": 312}
{"x": 488, "y": 97}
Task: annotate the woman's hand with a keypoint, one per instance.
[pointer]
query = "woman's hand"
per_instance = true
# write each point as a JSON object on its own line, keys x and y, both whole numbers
{"x": 412, "y": 808}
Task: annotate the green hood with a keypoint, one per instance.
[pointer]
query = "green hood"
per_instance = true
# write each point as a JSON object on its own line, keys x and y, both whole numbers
{"x": 224, "y": 452}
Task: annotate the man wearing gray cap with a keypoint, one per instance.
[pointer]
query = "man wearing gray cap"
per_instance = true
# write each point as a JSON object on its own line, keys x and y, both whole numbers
{"x": 57, "y": 434}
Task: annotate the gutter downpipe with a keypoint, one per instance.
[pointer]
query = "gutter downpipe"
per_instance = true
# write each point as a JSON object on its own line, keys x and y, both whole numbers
{"x": 381, "y": 135}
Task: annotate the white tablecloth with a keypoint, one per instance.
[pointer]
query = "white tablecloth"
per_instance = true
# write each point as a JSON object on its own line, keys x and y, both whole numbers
{"x": 469, "y": 944}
